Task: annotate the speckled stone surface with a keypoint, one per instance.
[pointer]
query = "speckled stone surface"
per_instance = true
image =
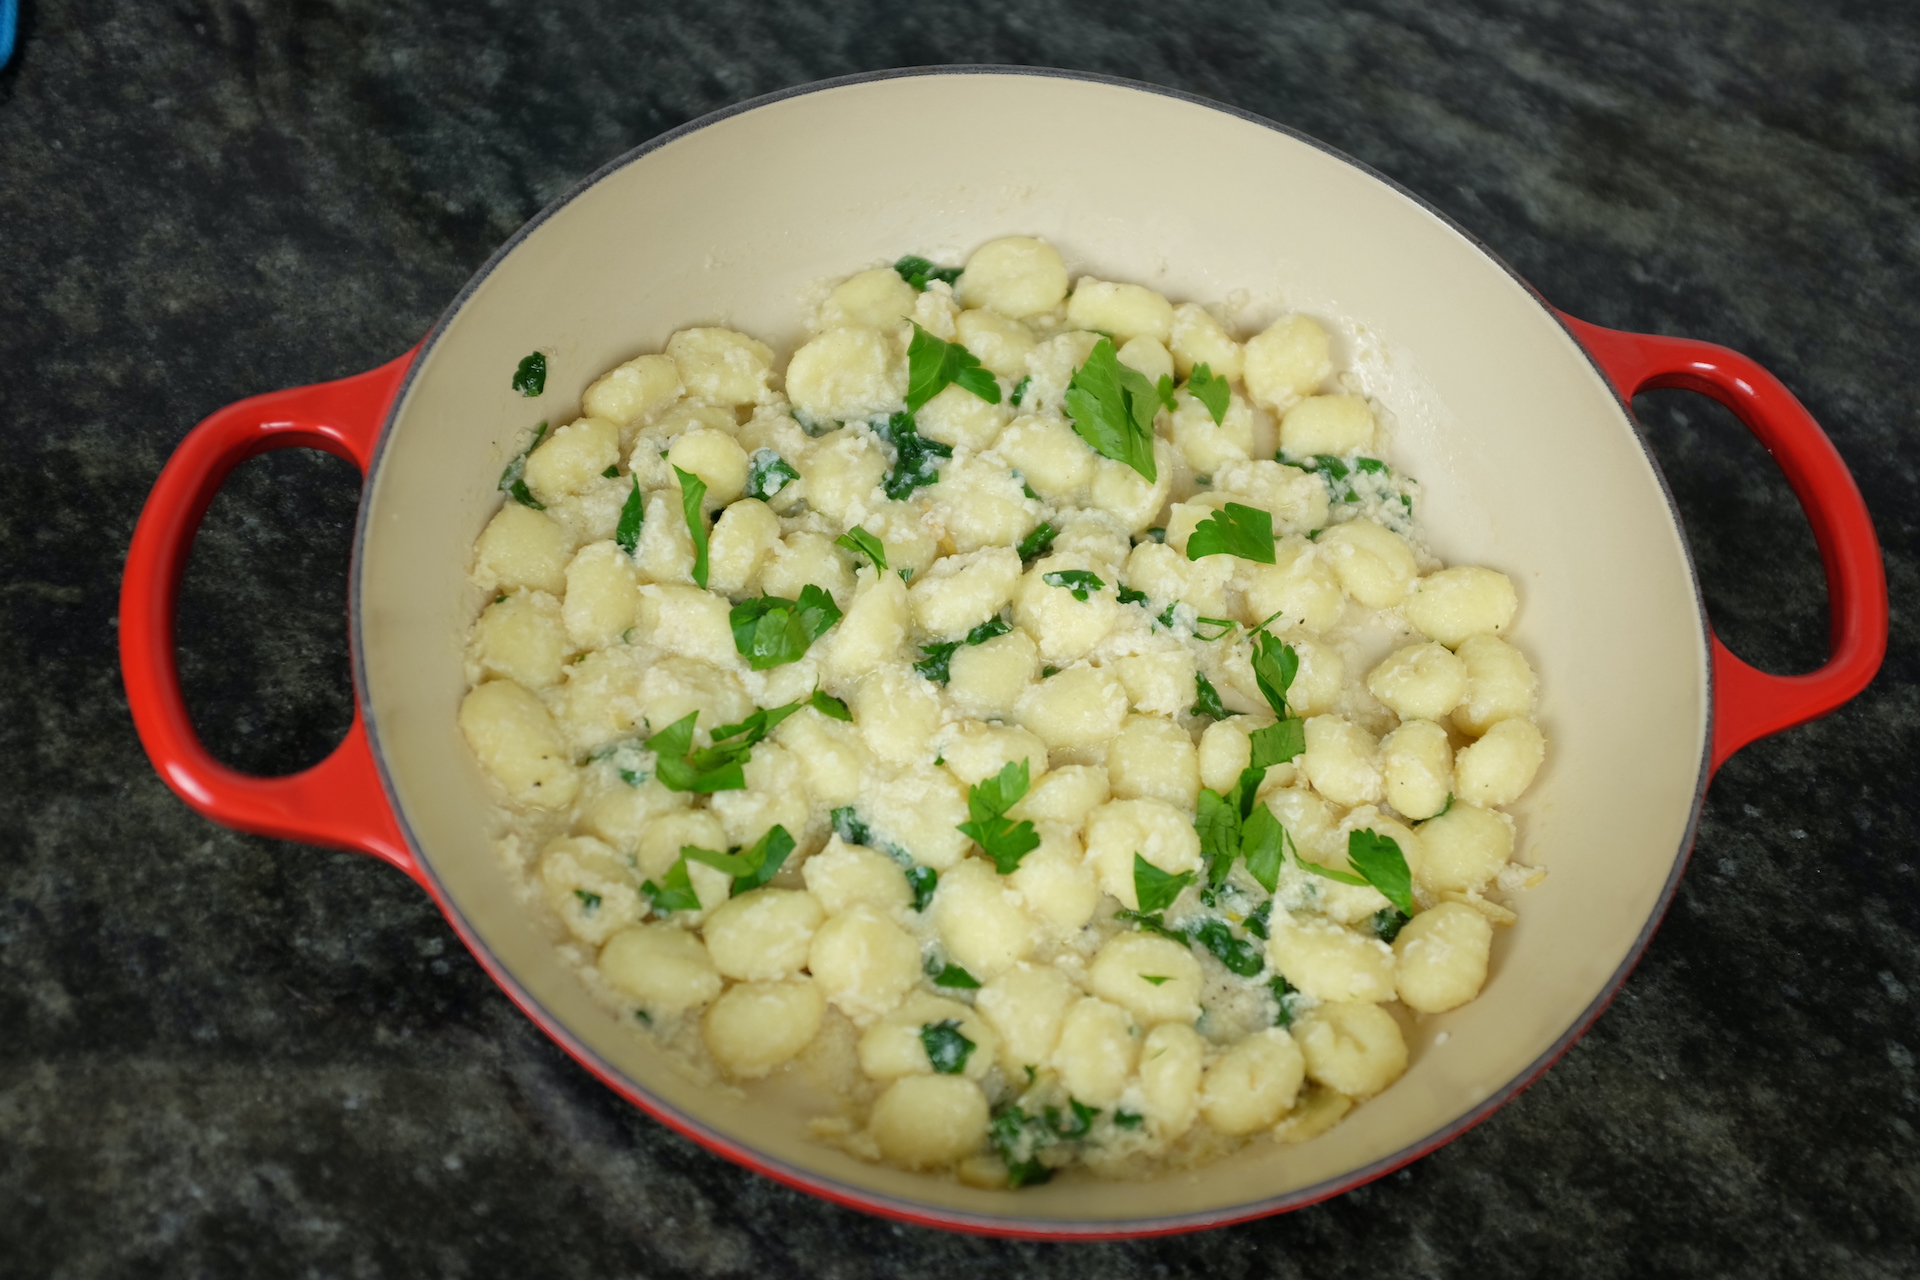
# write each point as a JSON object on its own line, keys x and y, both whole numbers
{"x": 225, "y": 1056}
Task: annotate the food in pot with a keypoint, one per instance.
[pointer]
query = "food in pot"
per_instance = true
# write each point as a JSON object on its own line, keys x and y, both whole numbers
{"x": 1033, "y": 714}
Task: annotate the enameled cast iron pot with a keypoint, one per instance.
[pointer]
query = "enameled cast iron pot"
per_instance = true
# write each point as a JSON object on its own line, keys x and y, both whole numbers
{"x": 1512, "y": 415}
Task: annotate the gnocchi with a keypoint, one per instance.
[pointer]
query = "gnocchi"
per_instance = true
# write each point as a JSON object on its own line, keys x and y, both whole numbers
{"x": 947, "y": 757}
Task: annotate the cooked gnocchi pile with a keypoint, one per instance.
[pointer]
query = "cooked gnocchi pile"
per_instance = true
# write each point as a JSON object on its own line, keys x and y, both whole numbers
{"x": 1033, "y": 715}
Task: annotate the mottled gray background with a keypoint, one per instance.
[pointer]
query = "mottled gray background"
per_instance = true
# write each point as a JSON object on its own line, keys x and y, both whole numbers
{"x": 225, "y": 1056}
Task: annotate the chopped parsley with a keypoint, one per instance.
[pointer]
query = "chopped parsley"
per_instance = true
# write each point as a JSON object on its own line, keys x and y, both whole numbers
{"x": 1210, "y": 391}
{"x": 1020, "y": 389}
{"x": 1038, "y": 542}
{"x": 1156, "y": 889}
{"x": 1129, "y": 596}
{"x": 771, "y": 631}
{"x": 682, "y": 768}
{"x": 950, "y": 975}
{"x": 915, "y": 457}
{"x": 946, "y": 1048}
{"x": 1237, "y": 954}
{"x": 675, "y": 892}
{"x": 1045, "y": 672}
{"x": 933, "y": 364}
{"x": 921, "y": 880}
{"x": 1077, "y": 581}
{"x": 1155, "y": 979}
{"x": 1285, "y": 1000}
{"x": 862, "y": 543}
{"x": 1234, "y": 825}
{"x": 1019, "y": 1138}
{"x": 999, "y": 837}
{"x": 1076, "y": 1123}
{"x": 530, "y": 375}
{"x": 937, "y": 662}
{"x": 611, "y": 473}
{"x": 1257, "y": 923}
{"x": 1128, "y": 1119}
{"x": 763, "y": 859}
{"x": 589, "y": 900}
{"x": 692, "y": 489}
{"x": 1219, "y": 627}
{"x": 1112, "y": 407}
{"x": 1235, "y": 530}
{"x": 768, "y": 473}
{"x": 514, "y": 479}
{"x": 1151, "y": 921}
{"x": 1388, "y": 922}
{"x": 1206, "y": 700}
{"x": 919, "y": 273}
{"x": 829, "y": 706}
{"x": 633, "y": 516}
{"x": 1275, "y": 664}
{"x": 1375, "y": 860}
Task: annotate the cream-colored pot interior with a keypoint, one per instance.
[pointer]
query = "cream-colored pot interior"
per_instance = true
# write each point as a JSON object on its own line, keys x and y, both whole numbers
{"x": 1528, "y": 465}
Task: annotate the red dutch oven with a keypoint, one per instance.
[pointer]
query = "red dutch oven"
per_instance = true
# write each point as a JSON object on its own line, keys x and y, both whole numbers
{"x": 1513, "y": 415}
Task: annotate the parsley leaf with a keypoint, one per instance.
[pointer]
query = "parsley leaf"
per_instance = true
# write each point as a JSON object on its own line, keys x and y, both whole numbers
{"x": 1078, "y": 581}
{"x": 1285, "y": 1000}
{"x": 732, "y": 864}
{"x": 939, "y": 656}
{"x": 757, "y": 726}
{"x": 1217, "y": 819}
{"x": 1018, "y": 1138}
{"x": 681, "y": 768}
{"x": 1235, "y": 530}
{"x": 1020, "y": 391}
{"x": 1277, "y": 743}
{"x": 675, "y": 892}
{"x": 914, "y": 456}
{"x": 1164, "y": 389}
{"x": 771, "y": 631}
{"x": 1275, "y": 664}
{"x": 589, "y": 901}
{"x": 950, "y": 975}
{"x": 919, "y": 273}
{"x": 946, "y": 1048}
{"x": 829, "y": 706}
{"x": 1219, "y": 627}
{"x": 1155, "y": 979}
{"x": 768, "y": 473}
{"x": 862, "y": 543}
{"x": 1325, "y": 873}
{"x": 998, "y": 836}
{"x": 1129, "y": 596}
{"x": 1206, "y": 699}
{"x": 530, "y": 376}
{"x": 922, "y": 880}
{"x": 1210, "y": 391}
{"x": 612, "y": 472}
{"x": 764, "y": 859}
{"x": 1082, "y": 1122}
{"x": 1128, "y": 1119}
{"x": 1237, "y": 954}
{"x": 1256, "y": 924}
{"x": 513, "y": 480}
{"x": 633, "y": 515}
{"x": 1263, "y": 844}
{"x": 1151, "y": 922}
{"x": 692, "y": 489}
{"x": 1112, "y": 408}
{"x": 1038, "y": 542}
{"x": 934, "y": 363}
{"x": 1380, "y": 860}
{"x": 1156, "y": 889}
{"x": 1386, "y": 923}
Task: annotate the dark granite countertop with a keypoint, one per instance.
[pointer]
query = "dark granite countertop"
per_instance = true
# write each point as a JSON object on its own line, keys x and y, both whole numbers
{"x": 227, "y": 1056}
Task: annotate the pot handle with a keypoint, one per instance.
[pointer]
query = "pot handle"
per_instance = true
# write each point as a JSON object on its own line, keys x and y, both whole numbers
{"x": 338, "y": 802}
{"x": 1749, "y": 704}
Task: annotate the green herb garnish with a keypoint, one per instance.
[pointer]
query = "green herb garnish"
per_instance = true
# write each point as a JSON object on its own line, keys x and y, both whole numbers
{"x": 530, "y": 376}
{"x": 914, "y": 456}
{"x": 1206, "y": 700}
{"x": 1210, "y": 391}
{"x": 1020, "y": 391}
{"x": 611, "y": 473}
{"x": 675, "y": 892}
{"x": 771, "y": 631}
{"x": 999, "y": 837}
{"x": 1235, "y": 530}
{"x": 851, "y": 830}
{"x": 1237, "y": 954}
{"x": 1155, "y": 979}
{"x": 1078, "y": 581}
{"x": 514, "y": 479}
{"x": 681, "y": 768}
{"x": 918, "y": 272}
{"x": 1285, "y": 1000}
{"x": 633, "y": 515}
{"x": 1038, "y": 542}
{"x": 764, "y": 859}
{"x": 1218, "y": 626}
{"x": 946, "y": 1048}
{"x": 1076, "y": 1123}
{"x": 1112, "y": 408}
{"x": 1256, "y": 924}
{"x": 1380, "y": 860}
{"x": 1128, "y": 1119}
{"x": 936, "y": 665}
{"x": 950, "y": 975}
{"x": 1019, "y": 1138}
{"x": 589, "y": 900}
{"x": 767, "y": 474}
{"x": 829, "y": 706}
{"x": 1275, "y": 664}
{"x": 862, "y": 543}
{"x": 934, "y": 363}
{"x": 1387, "y": 923}
{"x": 1156, "y": 889}
{"x": 692, "y": 489}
